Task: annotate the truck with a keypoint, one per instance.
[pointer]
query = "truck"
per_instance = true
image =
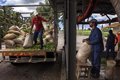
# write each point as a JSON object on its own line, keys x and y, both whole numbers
{"x": 21, "y": 55}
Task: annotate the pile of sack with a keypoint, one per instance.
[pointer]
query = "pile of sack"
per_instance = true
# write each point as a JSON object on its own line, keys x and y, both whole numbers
{"x": 14, "y": 37}
{"x": 48, "y": 35}
{"x": 20, "y": 37}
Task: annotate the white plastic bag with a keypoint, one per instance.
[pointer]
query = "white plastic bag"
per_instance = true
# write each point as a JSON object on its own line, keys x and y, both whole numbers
{"x": 28, "y": 41}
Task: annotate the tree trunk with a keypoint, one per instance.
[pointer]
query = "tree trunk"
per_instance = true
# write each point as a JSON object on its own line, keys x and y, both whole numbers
{"x": 116, "y": 5}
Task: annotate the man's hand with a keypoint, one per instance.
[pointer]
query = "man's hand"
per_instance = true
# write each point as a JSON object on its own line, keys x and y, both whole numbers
{"x": 88, "y": 42}
{"x": 85, "y": 40}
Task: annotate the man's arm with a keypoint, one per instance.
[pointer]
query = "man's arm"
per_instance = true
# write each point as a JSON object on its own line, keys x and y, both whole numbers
{"x": 43, "y": 19}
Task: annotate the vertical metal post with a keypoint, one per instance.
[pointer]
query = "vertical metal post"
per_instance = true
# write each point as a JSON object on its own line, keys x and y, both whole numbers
{"x": 55, "y": 25}
{"x": 70, "y": 47}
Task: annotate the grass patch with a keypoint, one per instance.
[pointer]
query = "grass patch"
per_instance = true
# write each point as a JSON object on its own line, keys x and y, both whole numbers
{"x": 87, "y": 33}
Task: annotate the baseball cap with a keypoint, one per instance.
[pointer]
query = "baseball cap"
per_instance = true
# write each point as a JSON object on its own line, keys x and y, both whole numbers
{"x": 93, "y": 21}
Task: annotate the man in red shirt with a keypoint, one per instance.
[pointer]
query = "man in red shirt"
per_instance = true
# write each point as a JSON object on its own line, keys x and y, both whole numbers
{"x": 37, "y": 22}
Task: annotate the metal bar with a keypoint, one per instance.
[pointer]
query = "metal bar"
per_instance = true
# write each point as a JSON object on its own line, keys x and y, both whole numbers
{"x": 23, "y": 5}
{"x": 108, "y": 19}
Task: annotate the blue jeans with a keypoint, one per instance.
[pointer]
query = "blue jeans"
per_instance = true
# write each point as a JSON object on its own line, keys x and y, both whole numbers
{"x": 40, "y": 34}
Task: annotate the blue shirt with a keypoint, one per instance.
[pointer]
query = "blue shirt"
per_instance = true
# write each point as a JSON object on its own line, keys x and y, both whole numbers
{"x": 96, "y": 40}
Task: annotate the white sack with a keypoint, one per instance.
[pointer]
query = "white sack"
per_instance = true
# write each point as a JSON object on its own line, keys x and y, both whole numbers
{"x": 109, "y": 72}
{"x": 28, "y": 41}
{"x": 83, "y": 52}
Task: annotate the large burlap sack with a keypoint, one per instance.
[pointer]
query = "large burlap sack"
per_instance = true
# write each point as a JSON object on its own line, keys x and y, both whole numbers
{"x": 9, "y": 43}
{"x": 46, "y": 33}
{"x": 51, "y": 26}
{"x": 16, "y": 28}
{"x": 109, "y": 72}
{"x": 44, "y": 41}
{"x": 28, "y": 41}
{"x": 10, "y": 36}
{"x": 48, "y": 36}
{"x": 46, "y": 26}
{"x": 51, "y": 40}
{"x": 83, "y": 52}
{"x": 23, "y": 33}
{"x": 19, "y": 40}
{"x": 15, "y": 32}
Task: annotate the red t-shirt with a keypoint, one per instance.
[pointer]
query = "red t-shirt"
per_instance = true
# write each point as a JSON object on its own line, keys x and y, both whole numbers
{"x": 37, "y": 21}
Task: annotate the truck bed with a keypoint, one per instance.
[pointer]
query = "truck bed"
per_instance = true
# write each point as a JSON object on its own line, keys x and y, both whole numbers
{"x": 25, "y": 56}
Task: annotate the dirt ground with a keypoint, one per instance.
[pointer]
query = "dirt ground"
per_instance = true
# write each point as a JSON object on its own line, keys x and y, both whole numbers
{"x": 37, "y": 71}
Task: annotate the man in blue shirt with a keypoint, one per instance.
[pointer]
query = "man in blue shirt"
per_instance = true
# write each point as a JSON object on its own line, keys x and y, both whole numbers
{"x": 96, "y": 42}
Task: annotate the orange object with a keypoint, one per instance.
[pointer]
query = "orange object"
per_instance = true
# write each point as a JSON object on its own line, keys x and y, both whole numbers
{"x": 118, "y": 37}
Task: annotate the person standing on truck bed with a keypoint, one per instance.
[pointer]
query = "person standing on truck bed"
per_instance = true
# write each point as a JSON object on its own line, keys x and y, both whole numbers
{"x": 37, "y": 22}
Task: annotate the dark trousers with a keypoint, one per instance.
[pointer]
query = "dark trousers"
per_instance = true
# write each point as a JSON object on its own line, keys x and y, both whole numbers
{"x": 110, "y": 51}
{"x": 96, "y": 62}
{"x": 40, "y": 34}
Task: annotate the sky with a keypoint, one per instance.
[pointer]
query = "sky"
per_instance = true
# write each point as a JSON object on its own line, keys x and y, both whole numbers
{"x": 98, "y": 17}
{"x": 21, "y": 2}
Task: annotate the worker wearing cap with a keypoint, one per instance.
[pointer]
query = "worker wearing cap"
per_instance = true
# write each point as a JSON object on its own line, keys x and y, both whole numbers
{"x": 96, "y": 42}
{"x": 37, "y": 22}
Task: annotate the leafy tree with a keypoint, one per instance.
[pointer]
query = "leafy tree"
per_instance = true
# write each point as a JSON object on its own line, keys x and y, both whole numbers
{"x": 45, "y": 11}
